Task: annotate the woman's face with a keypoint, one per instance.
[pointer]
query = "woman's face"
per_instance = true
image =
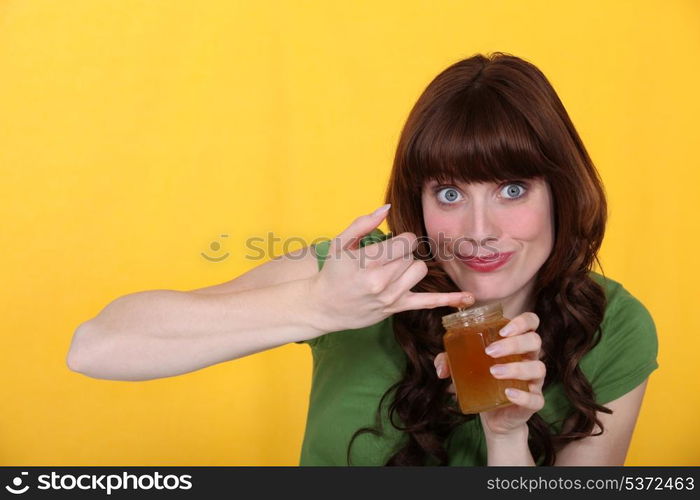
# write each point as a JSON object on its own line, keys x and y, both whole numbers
{"x": 509, "y": 225}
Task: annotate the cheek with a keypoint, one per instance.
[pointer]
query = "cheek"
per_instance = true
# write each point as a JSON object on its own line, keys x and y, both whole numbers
{"x": 437, "y": 222}
{"x": 528, "y": 224}
{"x": 441, "y": 228}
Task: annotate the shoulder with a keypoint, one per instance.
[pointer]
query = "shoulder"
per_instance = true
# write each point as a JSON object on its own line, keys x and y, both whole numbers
{"x": 622, "y": 310}
{"x": 626, "y": 353}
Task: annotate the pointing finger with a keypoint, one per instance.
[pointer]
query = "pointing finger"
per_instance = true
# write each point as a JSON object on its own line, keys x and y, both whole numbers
{"x": 413, "y": 301}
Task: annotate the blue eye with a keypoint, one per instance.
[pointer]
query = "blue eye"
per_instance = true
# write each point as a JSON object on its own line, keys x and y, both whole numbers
{"x": 451, "y": 195}
{"x": 513, "y": 190}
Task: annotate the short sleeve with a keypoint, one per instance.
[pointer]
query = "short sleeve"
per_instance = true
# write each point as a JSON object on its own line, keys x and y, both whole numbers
{"x": 627, "y": 352}
{"x": 321, "y": 252}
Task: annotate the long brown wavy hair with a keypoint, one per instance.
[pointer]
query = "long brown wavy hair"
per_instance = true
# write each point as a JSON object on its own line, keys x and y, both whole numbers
{"x": 492, "y": 118}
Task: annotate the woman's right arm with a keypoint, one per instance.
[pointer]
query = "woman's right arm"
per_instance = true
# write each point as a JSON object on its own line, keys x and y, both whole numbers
{"x": 162, "y": 333}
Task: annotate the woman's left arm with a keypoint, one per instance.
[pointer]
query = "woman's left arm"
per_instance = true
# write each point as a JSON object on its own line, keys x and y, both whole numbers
{"x": 610, "y": 448}
{"x": 505, "y": 428}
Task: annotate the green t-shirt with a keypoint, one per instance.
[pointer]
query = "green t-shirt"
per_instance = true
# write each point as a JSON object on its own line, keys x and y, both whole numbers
{"x": 352, "y": 369}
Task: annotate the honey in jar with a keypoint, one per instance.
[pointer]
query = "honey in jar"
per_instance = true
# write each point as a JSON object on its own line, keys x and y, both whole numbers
{"x": 467, "y": 333}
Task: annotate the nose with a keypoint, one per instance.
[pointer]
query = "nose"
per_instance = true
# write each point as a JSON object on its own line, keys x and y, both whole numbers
{"x": 480, "y": 223}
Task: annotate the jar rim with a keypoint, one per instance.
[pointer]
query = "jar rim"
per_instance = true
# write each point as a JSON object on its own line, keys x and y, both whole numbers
{"x": 473, "y": 314}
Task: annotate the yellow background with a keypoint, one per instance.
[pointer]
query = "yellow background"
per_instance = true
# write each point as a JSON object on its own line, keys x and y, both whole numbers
{"x": 135, "y": 133}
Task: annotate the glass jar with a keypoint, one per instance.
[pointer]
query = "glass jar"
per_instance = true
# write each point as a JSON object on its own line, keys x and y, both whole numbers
{"x": 467, "y": 333}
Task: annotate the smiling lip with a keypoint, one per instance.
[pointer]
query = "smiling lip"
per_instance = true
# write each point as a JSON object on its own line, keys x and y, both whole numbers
{"x": 487, "y": 264}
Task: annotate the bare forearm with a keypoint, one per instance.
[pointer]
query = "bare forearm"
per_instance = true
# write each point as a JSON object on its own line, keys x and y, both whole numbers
{"x": 161, "y": 333}
{"x": 509, "y": 450}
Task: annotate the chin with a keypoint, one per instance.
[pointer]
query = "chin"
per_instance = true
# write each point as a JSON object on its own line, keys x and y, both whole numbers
{"x": 486, "y": 297}
{"x": 484, "y": 291}
{"x": 488, "y": 287}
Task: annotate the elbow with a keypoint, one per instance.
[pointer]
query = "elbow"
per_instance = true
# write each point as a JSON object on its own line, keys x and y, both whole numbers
{"x": 90, "y": 342}
{"x": 78, "y": 357}
{"x": 72, "y": 359}
{"x": 94, "y": 353}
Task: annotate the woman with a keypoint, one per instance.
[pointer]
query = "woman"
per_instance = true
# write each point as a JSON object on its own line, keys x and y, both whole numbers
{"x": 492, "y": 197}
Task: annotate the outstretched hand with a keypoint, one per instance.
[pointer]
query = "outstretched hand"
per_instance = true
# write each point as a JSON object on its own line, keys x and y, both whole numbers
{"x": 361, "y": 286}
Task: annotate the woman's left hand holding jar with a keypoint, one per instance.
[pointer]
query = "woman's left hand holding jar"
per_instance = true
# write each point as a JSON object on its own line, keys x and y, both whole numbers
{"x": 520, "y": 338}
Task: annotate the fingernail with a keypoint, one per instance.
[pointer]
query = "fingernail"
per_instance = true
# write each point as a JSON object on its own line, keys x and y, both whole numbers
{"x": 382, "y": 209}
{"x": 497, "y": 370}
{"x": 441, "y": 370}
{"x": 506, "y": 330}
{"x": 493, "y": 350}
{"x": 511, "y": 393}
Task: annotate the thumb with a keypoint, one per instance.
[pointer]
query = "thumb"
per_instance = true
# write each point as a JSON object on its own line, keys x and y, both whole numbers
{"x": 360, "y": 227}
